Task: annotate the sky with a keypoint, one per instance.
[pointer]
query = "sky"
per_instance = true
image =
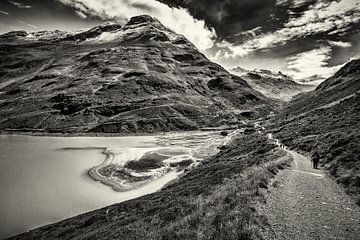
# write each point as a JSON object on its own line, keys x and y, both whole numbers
{"x": 302, "y": 38}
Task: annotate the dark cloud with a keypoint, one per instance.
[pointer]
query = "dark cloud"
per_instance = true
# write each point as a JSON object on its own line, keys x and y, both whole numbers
{"x": 3, "y": 12}
{"x": 145, "y": 7}
{"x": 230, "y": 17}
{"x": 325, "y": 33}
{"x": 43, "y": 14}
{"x": 271, "y": 34}
{"x": 19, "y": 4}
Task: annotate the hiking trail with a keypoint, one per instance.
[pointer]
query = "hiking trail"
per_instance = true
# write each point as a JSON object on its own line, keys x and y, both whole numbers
{"x": 304, "y": 203}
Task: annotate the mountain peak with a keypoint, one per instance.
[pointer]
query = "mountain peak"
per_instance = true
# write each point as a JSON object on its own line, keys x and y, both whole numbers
{"x": 138, "y": 78}
{"x": 275, "y": 85}
{"x": 142, "y": 19}
{"x": 145, "y": 20}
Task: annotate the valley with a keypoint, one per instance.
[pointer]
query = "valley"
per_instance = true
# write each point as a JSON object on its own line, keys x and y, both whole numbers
{"x": 145, "y": 80}
{"x": 139, "y": 78}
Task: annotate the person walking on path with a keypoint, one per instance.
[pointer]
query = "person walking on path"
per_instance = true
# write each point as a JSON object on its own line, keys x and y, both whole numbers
{"x": 315, "y": 159}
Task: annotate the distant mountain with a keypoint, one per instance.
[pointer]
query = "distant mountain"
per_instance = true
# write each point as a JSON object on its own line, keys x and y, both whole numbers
{"x": 313, "y": 80}
{"x": 263, "y": 73}
{"x": 273, "y": 85}
{"x": 328, "y": 120}
{"x": 141, "y": 77}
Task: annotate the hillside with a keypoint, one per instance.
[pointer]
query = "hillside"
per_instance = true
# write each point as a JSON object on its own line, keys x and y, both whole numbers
{"x": 215, "y": 200}
{"x": 328, "y": 120}
{"x": 343, "y": 84}
{"x": 141, "y": 77}
{"x": 273, "y": 85}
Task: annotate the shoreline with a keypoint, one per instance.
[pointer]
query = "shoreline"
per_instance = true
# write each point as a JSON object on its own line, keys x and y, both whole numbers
{"x": 94, "y": 174}
{"x": 34, "y": 133}
{"x": 164, "y": 199}
{"x": 168, "y": 178}
{"x": 49, "y": 134}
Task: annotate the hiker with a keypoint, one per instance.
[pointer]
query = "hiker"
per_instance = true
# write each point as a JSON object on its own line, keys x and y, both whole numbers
{"x": 315, "y": 159}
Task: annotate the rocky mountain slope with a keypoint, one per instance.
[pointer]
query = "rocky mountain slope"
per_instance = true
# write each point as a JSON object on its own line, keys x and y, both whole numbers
{"x": 328, "y": 120}
{"x": 273, "y": 85}
{"x": 141, "y": 77}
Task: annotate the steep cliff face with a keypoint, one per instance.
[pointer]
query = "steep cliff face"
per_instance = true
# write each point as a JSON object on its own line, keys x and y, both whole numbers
{"x": 141, "y": 77}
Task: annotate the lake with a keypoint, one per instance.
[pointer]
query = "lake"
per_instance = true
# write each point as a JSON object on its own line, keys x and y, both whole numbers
{"x": 45, "y": 179}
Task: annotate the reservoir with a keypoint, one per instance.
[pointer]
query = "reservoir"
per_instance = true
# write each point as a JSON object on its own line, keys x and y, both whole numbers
{"x": 45, "y": 179}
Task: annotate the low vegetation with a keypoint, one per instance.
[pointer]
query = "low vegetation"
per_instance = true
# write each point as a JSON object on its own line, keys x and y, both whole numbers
{"x": 213, "y": 201}
{"x": 335, "y": 133}
{"x": 228, "y": 212}
{"x": 182, "y": 164}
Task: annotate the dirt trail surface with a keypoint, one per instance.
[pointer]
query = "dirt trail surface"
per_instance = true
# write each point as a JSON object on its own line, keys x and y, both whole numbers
{"x": 304, "y": 203}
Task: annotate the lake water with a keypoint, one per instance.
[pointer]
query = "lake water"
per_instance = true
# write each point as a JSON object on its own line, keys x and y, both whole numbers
{"x": 44, "y": 179}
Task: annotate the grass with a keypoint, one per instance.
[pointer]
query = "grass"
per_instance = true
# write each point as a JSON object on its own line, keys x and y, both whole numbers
{"x": 335, "y": 133}
{"x": 228, "y": 212}
{"x": 182, "y": 164}
{"x": 213, "y": 201}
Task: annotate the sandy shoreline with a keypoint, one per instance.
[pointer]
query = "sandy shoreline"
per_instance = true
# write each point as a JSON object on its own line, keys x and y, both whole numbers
{"x": 120, "y": 185}
{"x": 180, "y": 146}
{"x": 115, "y": 185}
{"x": 94, "y": 173}
{"x": 48, "y": 134}
{"x": 91, "y": 134}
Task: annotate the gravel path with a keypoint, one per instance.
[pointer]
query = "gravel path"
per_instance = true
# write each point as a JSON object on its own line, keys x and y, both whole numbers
{"x": 303, "y": 203}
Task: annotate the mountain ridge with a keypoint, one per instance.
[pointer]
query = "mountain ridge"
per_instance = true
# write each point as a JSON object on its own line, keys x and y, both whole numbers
{"x": 274, "y": 85}
{"x": 141, "y": 77}
{"x": 344, "y": 83}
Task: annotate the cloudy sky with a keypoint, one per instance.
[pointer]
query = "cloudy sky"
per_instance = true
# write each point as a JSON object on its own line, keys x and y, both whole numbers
{"x": 303, "y": 38}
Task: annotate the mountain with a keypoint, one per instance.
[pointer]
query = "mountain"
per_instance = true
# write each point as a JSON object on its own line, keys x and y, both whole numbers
{"x": 328, "y": 120}
{"x": 342, "y": 85}
{"x": 313, "y": 80}
{"x": 273, "y": 85}
{"x": 141, "y": 77}
{"x": 217, "y": 198}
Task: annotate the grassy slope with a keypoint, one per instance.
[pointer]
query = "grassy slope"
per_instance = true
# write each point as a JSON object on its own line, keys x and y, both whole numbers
{"x": 342, "y": 84}
{"x": 213, "y": 201}
{"x": 143, "y": 79}
{"x": 335, "y": 133}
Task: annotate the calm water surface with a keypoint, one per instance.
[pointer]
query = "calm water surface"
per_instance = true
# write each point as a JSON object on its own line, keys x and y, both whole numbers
{"x": 41, "y": 182}
{"x": 44, "y": 179}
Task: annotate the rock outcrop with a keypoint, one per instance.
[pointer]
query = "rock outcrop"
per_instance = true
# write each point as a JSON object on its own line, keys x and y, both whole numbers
{"x": 141, "y": 77}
